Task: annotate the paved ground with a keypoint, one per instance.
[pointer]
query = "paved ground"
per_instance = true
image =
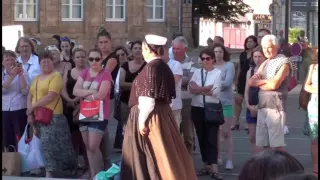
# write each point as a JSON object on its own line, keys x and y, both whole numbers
{"x": 297, "y": 144}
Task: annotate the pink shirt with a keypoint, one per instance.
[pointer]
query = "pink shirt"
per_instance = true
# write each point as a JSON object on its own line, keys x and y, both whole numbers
{"x": 94, "y": 84}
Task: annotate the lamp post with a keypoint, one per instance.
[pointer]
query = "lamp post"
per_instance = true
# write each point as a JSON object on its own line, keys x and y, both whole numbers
{"x": 287, "y": 19}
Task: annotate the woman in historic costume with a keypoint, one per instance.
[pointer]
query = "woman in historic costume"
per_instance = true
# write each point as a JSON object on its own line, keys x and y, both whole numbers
{"x": 153, "y": 148}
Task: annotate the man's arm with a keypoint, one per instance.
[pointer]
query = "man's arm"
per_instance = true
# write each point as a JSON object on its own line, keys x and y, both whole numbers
{"x": 255, "y": 80}
{"x": 274, "y": 83}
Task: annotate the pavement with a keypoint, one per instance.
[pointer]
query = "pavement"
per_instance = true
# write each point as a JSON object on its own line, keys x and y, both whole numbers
{"x": 297, "y": 144}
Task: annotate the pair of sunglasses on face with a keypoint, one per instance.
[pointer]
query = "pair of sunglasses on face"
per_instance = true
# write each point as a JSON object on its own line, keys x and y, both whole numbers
{"x": 205, "y": 58}
{"x": 96, "y": 59}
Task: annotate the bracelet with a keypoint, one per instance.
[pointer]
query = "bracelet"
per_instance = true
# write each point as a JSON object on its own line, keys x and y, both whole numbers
{"x": 93, "y": 97}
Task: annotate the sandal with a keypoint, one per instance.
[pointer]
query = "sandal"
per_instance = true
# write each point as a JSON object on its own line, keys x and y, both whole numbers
{"x": 216, "y": 176}
{"x": 203, "y": 172}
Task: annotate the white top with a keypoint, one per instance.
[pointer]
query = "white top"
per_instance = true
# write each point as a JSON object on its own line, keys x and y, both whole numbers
{"x": 176, "y": 69}
{"x": 213, "y": 78}
{"x": 32, "y": 67}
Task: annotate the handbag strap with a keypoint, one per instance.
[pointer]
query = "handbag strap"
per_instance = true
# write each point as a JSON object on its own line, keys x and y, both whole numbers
{"x": 203, "y": 81}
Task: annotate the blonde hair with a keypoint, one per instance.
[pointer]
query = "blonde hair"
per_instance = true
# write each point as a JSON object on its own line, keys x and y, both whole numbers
{"x": 52, "y": 48}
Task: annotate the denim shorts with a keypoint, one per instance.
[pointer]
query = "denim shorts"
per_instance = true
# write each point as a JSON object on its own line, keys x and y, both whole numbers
{"x": 97, "y": 127}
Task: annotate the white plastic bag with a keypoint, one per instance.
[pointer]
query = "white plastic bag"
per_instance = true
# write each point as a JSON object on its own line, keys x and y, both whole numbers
{"x": 30, "y": 152}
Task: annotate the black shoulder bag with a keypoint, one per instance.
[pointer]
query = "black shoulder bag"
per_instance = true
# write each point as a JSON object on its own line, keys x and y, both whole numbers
{"x": 213, "y": 112}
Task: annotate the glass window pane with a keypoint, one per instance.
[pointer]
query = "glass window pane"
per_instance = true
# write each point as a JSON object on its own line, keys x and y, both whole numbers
{"x": 65, "y": 1}
{"x": 159, "y": 2}
{"x": 65, "y": 11}
{"x": 76, "y": 1}
{"x": 19, "y": 1}
{"x": 18, "y": 11}
{"x": 159, "y": 13}
{"x": 109, "y": 12}
{"x": 31, "y": 11}
{"x": 149, "y": 2}
{"x": 119, "y": 2}
{"x": 31, "y": 1}
{"x": 109, "y": 2}
{"x": 76, "y": 11}
{"x": 299, "y": 20}
{"x": 150, "y": 12}
{"x": 119, "y": 12}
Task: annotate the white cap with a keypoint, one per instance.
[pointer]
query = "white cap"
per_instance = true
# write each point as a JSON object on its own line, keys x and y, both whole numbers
{"x": 156, "y": 40}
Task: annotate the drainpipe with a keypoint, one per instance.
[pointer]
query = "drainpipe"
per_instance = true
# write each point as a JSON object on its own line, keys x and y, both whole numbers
{"x": 180, "y": 15}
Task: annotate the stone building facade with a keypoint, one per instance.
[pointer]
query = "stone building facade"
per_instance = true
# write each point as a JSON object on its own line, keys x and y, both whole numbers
{"x": 49, "y": 18}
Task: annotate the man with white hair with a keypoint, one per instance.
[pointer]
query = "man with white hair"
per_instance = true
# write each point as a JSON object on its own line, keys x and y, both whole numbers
{"x": 273, "y": 78}
{"x": 189, "y": 65}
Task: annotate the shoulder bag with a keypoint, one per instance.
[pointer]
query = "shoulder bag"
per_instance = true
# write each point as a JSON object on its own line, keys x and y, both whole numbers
{"x": 43, "y": 115}
{"x": 213, "y": 111}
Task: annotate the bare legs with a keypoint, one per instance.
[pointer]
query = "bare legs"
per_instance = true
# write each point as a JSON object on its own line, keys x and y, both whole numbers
{"x": 237, "y": 111}
{"x": 314, "y": 155}
{"x": 252, "y": 137}
{"x": 227, "y": 137}
{"x": 92, "y": 142}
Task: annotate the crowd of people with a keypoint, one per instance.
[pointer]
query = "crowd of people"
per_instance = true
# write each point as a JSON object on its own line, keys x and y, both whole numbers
{"x": 159, "y": 96}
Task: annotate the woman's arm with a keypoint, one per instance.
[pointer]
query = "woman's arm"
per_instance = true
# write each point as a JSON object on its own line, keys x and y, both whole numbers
{"x": 227, "y": 82}
{"x": 46, "y": 99}
{"x": 246, "y": 90}
{"x": 67, "y": 67}
{"x": 104, "y": 90}
{"x": 308, "y": 85}
{"x": 29, "y": 101}
{"x": 123, "y": 85}
{"x": 6, "y": 84}
{"x": 216, "y": 87}
{"x": 111, "y": 64}
{"x": 237, "y": 74}
{"x": 255, "y": 80}
{"x": 79, "y": 91}
{"x": 23, "y": 83}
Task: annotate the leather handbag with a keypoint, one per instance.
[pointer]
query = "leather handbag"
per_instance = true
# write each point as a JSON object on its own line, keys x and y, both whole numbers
{"x": 43, "y": 115}
{"x": 304, "y": 96}
{"x": 213, "y": 112}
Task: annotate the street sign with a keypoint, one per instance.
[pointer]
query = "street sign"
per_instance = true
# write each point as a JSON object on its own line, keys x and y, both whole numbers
{"x": 296, "y": 49}
{"x": 296, "y": 59}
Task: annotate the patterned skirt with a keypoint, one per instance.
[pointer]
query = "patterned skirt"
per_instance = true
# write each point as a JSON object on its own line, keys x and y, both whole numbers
{"x": 311, "y": 128}
{"x": 161, "y": 155}
{"x": 57, "y": 145}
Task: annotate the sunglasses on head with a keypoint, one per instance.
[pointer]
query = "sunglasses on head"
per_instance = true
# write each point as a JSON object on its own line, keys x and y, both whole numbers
{"x": 97, "y": 59}
{"x": 205, "y": 58}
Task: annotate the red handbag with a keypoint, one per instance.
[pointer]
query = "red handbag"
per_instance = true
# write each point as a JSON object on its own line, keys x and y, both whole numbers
{"x": 43, "y": 115}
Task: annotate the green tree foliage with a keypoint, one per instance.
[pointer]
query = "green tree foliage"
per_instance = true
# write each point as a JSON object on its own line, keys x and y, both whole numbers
{"x": 220, "y": 10}
{"x": 293, "y": 35}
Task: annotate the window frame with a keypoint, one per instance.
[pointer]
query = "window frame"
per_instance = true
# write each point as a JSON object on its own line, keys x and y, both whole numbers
{"x": 24, "y": 10}
{"x": 70, "y": 12}
{"x": 154, "y": 6}
{"x": 113, "y": 5}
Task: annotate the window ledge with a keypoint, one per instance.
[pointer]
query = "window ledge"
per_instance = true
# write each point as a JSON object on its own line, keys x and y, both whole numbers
{"x": 155, "y": 20}
{"x": 115, "y": 20}
{"x": 22, "y": 19}
{"x": 71, "y": 19}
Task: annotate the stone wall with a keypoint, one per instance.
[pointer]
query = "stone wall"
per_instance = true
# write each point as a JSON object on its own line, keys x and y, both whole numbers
{"x": 84, "y": 32}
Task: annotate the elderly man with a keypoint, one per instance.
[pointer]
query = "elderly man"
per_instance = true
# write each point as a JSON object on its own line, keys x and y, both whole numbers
{"x": 189, "y": 65}
{"x": 273, "y": 78}
{"x": 174, "y": 36}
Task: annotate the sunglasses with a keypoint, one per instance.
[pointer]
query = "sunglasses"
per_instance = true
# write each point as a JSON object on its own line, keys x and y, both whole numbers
{"x": 205, "y": 58}
{"x": 97, "y": 59}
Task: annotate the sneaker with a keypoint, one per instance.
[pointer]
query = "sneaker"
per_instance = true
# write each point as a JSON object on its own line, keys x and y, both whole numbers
{"x": 229, "y": 165}
{"x": 35, "y": 171}
{"x": 220, "y": 162}
{"x": 286, "y": 130}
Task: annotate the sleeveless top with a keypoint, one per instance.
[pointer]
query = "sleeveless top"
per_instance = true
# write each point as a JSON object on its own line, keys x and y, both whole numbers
{"x": 70, "y": 84}
{"x": 275, "y": 99}
{"x": 125, "y": 94}
{"x": 253, "y": 92}
{"x": 115, "y": 71}
{"x": 156, "y": 81}
{"x": 244, "y": 65}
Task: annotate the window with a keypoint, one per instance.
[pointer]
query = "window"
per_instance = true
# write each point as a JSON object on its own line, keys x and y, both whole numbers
{"x": 155, "y": 10}
{"x": 72, "y": 10}
{"x": 115, "y": 10}
{"x": 26, "y": 10}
